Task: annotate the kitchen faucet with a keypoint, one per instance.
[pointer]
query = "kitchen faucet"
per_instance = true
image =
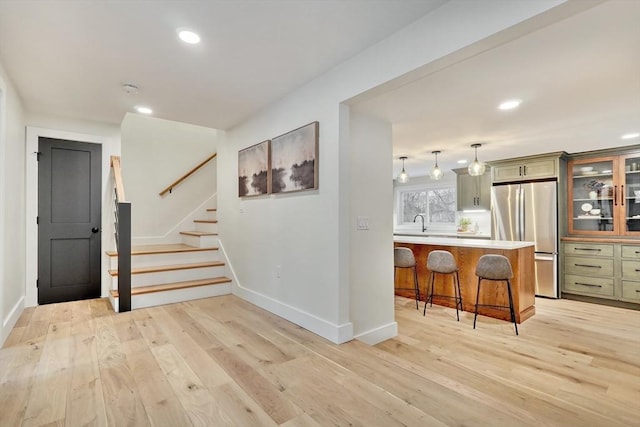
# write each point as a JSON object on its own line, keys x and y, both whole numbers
{"x": 422, "y": 218}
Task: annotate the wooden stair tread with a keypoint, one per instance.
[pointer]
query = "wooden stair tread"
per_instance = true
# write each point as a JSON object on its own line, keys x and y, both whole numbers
{"x": 160, "y": 268}
{"x": 212, "y": 210}
{"x": 198, "y": 233}
{"x": 205, "y": 221}
{"x": 163, "y": 249}
{"x": 140, "y": 290}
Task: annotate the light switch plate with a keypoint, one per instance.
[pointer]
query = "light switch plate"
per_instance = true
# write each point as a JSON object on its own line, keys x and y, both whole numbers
{"x": 362, "y": 223}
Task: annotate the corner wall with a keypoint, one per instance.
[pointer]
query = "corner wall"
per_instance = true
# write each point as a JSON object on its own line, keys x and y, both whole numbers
{"x": 155, "y": 153}
{"x": 12, "y": 223}
{"x": 291, "y": 253}
{"x": 371, "y": 249}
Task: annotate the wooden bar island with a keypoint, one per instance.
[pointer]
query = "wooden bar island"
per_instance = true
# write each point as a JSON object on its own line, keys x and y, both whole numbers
{"x": 466, "y": 253}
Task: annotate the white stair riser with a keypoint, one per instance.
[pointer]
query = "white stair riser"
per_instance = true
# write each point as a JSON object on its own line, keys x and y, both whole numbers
{"x": 172, "y": 276}
{"x": 138, "y": 261}
{"x": 211, "y": 215}
{"x": 115, "y": 303}
{"x": 179, "y": 295}
{"x": 206, "y": 226}
{"x": 176, "y": 295}
{"x": 199, "y": 241}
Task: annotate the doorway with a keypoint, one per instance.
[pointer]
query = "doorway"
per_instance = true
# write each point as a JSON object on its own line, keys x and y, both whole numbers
{"x": 69, "y": 220}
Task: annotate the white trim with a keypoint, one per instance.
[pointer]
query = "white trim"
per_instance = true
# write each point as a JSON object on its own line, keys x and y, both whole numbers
{"x": 336, "y": 333}
{"x": 10, "y": 321}
{"x": 31, "y": 201}
{"x": 379, "y": 334}
{"x": 3, "y": 143}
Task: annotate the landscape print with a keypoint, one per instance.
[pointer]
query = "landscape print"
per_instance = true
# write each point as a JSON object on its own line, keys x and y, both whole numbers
{"x": 253, "y": 170}
{"x": 294, "y": 160}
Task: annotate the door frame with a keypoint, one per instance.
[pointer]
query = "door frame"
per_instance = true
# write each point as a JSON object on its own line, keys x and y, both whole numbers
{"x": 110, "y": 147}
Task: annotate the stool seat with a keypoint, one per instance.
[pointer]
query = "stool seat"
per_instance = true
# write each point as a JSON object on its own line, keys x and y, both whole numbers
{"x": 495, "y": 268}
{"x": 442, "y": 262}
{"x": 404, "y": 258}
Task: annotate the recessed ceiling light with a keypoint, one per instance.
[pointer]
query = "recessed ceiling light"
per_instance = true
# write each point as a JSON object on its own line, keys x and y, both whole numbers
{"x": 630, "y": 135}
{"x": 509, "y": 104}
{"x": 188, "y": 36}
{"x": 462, "y": 162}
{"x": 143, "y": 110}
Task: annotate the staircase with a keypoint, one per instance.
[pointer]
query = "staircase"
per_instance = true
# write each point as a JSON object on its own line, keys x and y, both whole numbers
{"x": 168, "y": 273}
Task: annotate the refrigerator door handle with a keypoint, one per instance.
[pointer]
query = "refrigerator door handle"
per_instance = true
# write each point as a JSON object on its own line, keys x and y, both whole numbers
{"x": 521, "y": 214}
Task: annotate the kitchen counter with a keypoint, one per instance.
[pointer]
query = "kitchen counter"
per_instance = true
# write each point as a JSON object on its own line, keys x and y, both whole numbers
{"x": 443, "y": 234}
{"x": 467, "y": 252}
{"x": 465, "y": 243}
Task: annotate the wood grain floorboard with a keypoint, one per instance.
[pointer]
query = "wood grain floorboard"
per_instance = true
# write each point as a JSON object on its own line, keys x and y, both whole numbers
{"x": 224, "y": 362}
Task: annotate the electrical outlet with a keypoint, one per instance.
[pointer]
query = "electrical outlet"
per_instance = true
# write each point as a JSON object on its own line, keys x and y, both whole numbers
{"x": 278, "y": 271}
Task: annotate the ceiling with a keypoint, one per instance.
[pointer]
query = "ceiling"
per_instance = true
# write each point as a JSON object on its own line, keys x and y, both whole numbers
{"x": 71, "y": 58}
{"x": 578, "y": 79}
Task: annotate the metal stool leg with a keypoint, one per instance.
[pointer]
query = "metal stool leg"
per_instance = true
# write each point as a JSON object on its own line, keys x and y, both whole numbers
{"x": 429, "y": 295}
{"x": 417, "y": 288}
{"x": 513, "y": 315}
{"x": 457, "y": 294}
{"x": 475, "y": 316}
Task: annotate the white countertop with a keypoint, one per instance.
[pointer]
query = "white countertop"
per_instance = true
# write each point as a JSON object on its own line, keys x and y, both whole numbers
{"x": 463, "y": 243}
{"x": 443, "y": 234}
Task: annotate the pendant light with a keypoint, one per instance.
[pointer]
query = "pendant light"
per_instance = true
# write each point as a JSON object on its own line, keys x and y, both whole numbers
{"x": 436, "y": 173}
{"x": 403, "y": 177}
{"x": 476, "y": 168}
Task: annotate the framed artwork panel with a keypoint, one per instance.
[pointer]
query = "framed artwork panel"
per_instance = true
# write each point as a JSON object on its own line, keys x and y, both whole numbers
{"x": 294, "y": 160}
{"x": 254, "y": 175}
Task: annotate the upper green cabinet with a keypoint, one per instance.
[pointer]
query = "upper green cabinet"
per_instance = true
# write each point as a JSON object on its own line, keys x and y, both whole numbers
{"x": 525, "y": 169}
{"x": 473, "y": 192}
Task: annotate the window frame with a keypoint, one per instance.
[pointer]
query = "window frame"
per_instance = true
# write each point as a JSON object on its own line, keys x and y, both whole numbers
{"x": 425, "y": 187}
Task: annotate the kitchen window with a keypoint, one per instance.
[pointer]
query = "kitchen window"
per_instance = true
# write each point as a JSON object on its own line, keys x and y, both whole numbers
{"x": 438, "y": 205}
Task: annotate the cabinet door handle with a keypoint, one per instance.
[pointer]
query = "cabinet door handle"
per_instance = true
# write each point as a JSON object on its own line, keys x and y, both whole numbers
{"x": 638, "y": 269}
{"x": 588, "y": 284}
{"x": 525, "y": 169}
{"x": 615, "y": 195}
{"x": 592, "y": 249}
{"x": 622, "y": 195}
{"x": 587, "y": 265}
{"x": 520, "y": 170}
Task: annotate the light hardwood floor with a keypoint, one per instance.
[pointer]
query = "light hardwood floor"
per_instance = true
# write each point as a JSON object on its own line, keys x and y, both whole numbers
{"x": 222, "y": 361}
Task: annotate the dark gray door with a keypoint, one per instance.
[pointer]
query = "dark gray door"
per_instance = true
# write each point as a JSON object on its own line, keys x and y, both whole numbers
{"x": 69, "y": 219}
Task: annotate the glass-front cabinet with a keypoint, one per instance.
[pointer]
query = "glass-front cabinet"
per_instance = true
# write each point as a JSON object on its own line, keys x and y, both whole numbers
{"x": 604, "y": 196}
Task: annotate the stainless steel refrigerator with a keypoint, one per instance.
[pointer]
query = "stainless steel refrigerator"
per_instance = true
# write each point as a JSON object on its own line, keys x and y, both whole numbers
{"x": 529, "y": 212}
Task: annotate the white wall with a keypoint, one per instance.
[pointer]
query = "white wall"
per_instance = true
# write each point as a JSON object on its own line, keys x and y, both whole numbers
{"x": 288, "y": 252}
{"x": 61, "y": 128}
{"x": 155, "y": 153}
{"x": 371, "y": 250}
{"x": 12, "y": 222}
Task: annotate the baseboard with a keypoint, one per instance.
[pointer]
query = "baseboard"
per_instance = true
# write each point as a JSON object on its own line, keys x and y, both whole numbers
{"x": 10, "y": 321}
{"x": 335, "y": 333}
{"x": 377, "y": 335}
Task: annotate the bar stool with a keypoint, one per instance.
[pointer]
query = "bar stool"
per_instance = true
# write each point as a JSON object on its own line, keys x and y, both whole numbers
{"x": 495, "y": 268}
{"x": 403, "y": 258}
{"x": 443, "y": 262}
